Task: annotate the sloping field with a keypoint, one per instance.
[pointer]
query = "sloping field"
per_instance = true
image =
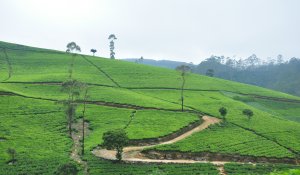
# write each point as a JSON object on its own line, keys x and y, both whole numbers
{"x": 145, "y": 101}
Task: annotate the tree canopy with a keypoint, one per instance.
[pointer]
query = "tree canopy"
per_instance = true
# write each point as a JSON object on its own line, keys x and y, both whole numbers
{"x": 93, "y": 51}
{"x": 249, "y": 113}
{"x": 72, "y": 46}
{"x": 223, "y": 112}
{"x": 115, "y": 139}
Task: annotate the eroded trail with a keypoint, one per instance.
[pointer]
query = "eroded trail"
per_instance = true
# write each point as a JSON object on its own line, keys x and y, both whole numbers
{"x": 133, "y": 153}
{"x": 77, "y": 148}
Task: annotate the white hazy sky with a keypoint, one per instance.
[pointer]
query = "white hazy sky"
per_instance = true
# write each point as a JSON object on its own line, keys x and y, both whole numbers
{"x": 185, "y": 30}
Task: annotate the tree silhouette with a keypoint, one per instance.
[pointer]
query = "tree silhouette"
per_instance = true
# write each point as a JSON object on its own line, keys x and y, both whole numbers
{"x": 183, "y": 69}
{"x": 73, "y": 88}
{"x": 83, "y": 118}
{"x": 112, "y": 37}
{"x": 93, "y": 51}
{"x": 72, "y": 46}
{"x": 141, "y": 59}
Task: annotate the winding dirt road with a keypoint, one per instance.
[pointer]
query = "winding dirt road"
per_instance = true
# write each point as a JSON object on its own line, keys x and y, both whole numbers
{"x": 133, "y": 153}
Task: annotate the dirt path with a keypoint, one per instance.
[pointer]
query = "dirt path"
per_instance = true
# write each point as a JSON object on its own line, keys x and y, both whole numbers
{"x": 221, "y": 169}
{"x": 133, "y": 153}
{"x": 131, "y": 150}
{"x": 76, "y": 137}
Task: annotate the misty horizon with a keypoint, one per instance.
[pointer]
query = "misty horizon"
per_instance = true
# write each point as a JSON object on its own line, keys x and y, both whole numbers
{"x": 162, "y": 30}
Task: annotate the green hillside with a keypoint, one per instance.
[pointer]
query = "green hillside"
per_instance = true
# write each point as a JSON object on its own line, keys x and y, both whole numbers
{"x": 146, "y": 101}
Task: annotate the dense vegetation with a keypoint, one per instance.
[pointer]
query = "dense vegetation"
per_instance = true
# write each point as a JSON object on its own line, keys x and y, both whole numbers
{"x": 258, "y": 169}
{"x": 143, "y": 100}
{"x": 277, "y": 75}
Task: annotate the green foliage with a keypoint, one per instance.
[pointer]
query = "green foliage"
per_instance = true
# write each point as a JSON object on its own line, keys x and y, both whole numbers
{"x": 99, "y": 166}
{"x": 115, "y": 139}
{"x": 228, "y": 140}
{"x": 12, "y": 153}
{"x": 72, "y": 46}
{"x": 67, "y": 169}
{"x": 35, "y": 126}
{"x": 145, "y": 124}
{"x": 73, "y": 88}
{"x": 284, "y": 110}
{"x": 289, "y": 172}
{"x": 223, "y": 112}
{"x": 282, "y": 77}
{"x": 153, "y": 124}
{"x": 248, "y": 113}
{"x": 270, "y": 126}
{"x": 36, "y": 130}
{"x": 112, "y": 37}
{"x": 183, "y": 69}
{"x": 256, "y": 169}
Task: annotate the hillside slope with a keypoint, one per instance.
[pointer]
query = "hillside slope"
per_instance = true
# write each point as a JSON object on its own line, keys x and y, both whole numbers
{"x": 146, "y": 101}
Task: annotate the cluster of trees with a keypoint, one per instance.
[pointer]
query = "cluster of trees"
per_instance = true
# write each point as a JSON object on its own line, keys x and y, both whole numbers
{"x": 273, "y": 74}
{"x": 72, "y": 47}
{"x": 249, "y": 63}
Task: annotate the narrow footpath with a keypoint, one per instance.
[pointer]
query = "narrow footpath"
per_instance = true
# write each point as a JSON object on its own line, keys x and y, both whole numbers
{"x": 133, "y": 153}
{"x": 77, "y": 148}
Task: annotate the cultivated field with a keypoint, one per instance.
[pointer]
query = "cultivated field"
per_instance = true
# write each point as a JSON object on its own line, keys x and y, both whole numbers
{"x": 144, "y": 100}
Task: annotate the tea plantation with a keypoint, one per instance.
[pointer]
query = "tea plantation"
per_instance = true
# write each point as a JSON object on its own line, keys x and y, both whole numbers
{"x": 145, "y": 101}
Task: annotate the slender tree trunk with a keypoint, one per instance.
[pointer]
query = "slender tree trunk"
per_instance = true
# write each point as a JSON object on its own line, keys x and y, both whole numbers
{"x": 119, "y": 153}
{"x": 83, "y": 115}
{"x": 70, "y": 128}
{"x": 182, "y": 87}
{"x": 72, "y": 113}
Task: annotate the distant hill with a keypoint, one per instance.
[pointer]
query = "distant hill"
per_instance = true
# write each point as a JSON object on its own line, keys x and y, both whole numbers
{"x": 281, "y": 76}
{"x": 274, "y": 74}
{"x": 159, "y": 63}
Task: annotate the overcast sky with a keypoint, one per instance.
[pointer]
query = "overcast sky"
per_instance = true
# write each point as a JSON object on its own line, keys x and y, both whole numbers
{"x": 185, "y": 30}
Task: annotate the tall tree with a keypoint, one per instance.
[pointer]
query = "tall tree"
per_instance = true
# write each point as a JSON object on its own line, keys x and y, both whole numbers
{"x": 93, "y": 51}
{"x": 115, "y": 139}
{"x": 73, "y": 88}
{"x": 72, "y": 46}
{"x": 83, "y": 118}
{"x": 141, "y": 59}
{"x": 183, "y": 69}
{"x": 112, "y": 37}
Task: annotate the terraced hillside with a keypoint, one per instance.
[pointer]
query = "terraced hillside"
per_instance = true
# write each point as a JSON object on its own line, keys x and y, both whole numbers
{"x": 145, "y": 101}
